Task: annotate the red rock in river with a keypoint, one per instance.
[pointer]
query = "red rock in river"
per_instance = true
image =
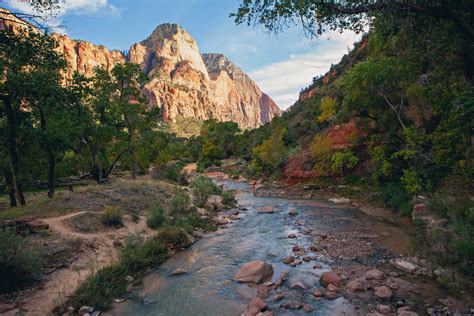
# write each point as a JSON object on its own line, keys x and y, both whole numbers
{"x": 254, "y": 271}
{"x": 330, "y": 278}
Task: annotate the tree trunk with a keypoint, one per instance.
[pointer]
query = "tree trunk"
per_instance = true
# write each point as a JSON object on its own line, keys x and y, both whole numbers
{"x": 51, "y": 173}
{"x": 95, "y": 172}
{"x": 132, "y": 165}
{"x": 132, "y": 159}
{"x": 50, "y": 153}
{"x": 12, "y": 149}
{"x": 10, "y": 186}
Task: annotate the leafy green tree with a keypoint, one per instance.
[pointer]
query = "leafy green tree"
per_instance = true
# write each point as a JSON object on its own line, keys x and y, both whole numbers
{"x": 117, "y": 125}
{"x": 317, "y": 16}
{"x": 30, "y": 81}
{"x": 219, "y": 141}
{"x": 343, "y": 160}
{"x": 271, "y": 153}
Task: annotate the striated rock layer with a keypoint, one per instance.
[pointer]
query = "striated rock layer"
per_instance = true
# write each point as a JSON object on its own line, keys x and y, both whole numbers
{"x": 182, "y": 81}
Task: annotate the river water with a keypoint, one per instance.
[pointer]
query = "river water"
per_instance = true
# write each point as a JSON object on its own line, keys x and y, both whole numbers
{"x": 208, "y": 288}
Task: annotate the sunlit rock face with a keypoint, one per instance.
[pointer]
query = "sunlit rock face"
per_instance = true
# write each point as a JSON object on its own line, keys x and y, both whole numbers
{"x": 182, "y": 81}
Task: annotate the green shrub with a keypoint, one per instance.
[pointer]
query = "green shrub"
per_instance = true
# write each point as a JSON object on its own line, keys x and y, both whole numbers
{"x": 192, "y": 221}
{"x": 202, "y": 188}
{"x": 438, "y": 206}
{"x": 157, "y": 218}
{"x": 20, "y": 262}
{"x": 228, "y": 198}
{"x": 397, "y": 198}
{"x": 112, "y": 216}
{"x": 172, "y": 171}
{"x": 103, "y": 286}
{"x": 180, "y": 203}
{"x": 174, "y": 235}
{"x": 343, "y": 160}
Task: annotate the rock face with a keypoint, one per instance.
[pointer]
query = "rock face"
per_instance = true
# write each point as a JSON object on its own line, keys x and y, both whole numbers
{"x": 183, "y": 83}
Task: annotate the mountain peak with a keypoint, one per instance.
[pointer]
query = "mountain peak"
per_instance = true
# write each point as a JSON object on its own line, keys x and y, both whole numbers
{"x": 215, "y": 63}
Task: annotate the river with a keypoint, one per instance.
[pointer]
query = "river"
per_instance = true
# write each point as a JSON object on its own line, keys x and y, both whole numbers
{"x": 208, "y": 288}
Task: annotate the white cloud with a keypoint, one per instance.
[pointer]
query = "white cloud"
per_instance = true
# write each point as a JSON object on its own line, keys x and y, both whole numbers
{"x": 283, "y": 80}
{"x": 54, "y": 20}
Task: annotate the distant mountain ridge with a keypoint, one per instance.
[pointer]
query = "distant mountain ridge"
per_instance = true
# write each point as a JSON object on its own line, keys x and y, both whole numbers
{"x": 183, "y": 83}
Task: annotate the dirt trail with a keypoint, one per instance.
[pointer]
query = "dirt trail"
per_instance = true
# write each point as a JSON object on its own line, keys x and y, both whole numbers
{"x": 97, "y": 250}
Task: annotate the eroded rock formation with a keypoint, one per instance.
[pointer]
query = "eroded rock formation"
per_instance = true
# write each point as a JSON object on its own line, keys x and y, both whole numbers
{"x": 182, "y": 81}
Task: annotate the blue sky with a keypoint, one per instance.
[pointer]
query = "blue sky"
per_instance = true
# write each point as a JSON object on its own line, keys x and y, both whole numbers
{"x": 281, "y": 64}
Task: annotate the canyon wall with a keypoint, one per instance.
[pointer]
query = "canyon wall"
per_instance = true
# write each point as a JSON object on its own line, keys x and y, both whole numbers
{"x": 182, "y": 82}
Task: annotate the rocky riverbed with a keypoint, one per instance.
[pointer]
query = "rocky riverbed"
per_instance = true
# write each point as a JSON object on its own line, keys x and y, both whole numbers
{"x": 294, "y": 256}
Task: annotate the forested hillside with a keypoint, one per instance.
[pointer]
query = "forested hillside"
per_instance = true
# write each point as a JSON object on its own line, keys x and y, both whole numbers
{"x": 395, "y": 115}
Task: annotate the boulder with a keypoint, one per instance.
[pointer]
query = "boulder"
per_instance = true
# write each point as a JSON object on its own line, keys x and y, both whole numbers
{"x": 330, "y": 278}
{"x": 298, "y": 285}
{"x": 384, "y": 309}
{"x": 341, "y": 200}
{"x": 288, "y": 260}
{"x": 359, "y": 284}
{"x": 404, "y": 265}
{"x": 291, "y": 236}
{"x": 308, "y": 308}
{"x": 278, "y": 297}
{"x": 333, "y": 288}
{"x": 188, "y": 240}
{"x": 332, "y": 295}
{"x": 258, "y": 303}
{"x": 292, "y": 212}
{"x": 85, "y": 310}
{"x": 374, "y": 274}
{"x": 317, "y": 293}
{"x": 214, "y": 202}
{"x": 282, "y": 278}
{"x": 222, "y": 220}
{"x": 265, "y": 209}
{"x": 420, "y": 210}
{"x": 179, "y": 271}
{"x": 254, "y": 271}
{"x": 404, "y": 311}
{"x": 383, "y": 292}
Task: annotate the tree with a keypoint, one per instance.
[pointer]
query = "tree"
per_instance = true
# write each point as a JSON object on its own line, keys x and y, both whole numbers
{"x": 220, "y": 140}
{"x": 272, "y": 151}
{"x": 129, "y": 108}
{"x": 317, "y": 16}
{"x": 30, "y": 67}
{"x": 328, "y": 109}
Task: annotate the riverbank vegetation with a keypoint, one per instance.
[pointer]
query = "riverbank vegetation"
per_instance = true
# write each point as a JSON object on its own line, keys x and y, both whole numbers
{"x": 395, "y": 115}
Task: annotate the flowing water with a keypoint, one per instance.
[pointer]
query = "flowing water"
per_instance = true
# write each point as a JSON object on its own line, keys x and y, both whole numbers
{"x": 208, "y": 288}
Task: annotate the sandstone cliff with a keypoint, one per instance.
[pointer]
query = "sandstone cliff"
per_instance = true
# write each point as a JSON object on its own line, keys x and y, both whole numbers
{"x": 183, "y": 83}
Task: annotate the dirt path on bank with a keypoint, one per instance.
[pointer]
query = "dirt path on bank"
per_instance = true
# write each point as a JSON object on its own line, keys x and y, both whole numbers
{"x": 96, "y": 250}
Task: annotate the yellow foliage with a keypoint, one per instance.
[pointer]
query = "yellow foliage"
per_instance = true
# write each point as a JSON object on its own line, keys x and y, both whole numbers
{"x": 322, "y": 153}
{"x": 272, "y": 151}
{"x": 328, "y": 109}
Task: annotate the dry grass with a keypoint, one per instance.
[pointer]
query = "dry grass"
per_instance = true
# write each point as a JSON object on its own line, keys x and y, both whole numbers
{"x": 133, "y": 196}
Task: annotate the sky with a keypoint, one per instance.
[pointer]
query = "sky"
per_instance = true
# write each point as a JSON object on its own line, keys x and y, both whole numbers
{"x": 281, "y": 64}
